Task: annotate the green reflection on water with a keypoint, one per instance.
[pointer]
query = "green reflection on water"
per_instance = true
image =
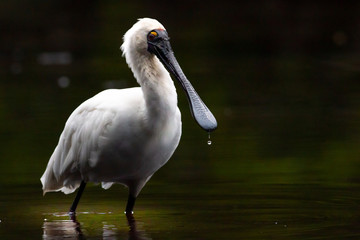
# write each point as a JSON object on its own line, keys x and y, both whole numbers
{"x": 178, "y": 211}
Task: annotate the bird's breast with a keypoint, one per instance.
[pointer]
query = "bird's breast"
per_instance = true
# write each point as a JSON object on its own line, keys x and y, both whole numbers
{"x": 138, "y": 149}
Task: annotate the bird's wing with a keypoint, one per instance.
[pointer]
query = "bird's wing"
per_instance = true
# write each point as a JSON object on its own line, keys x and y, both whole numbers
{"x": 85, "y": 131}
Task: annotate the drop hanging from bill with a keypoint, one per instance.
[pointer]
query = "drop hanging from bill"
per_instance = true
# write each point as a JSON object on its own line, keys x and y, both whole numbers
{"x": 209, "y": 142}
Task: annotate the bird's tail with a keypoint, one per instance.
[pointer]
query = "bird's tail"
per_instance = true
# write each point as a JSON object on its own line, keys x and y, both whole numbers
{"x": 51, "y": 184}
{"x": 52, "y": 180}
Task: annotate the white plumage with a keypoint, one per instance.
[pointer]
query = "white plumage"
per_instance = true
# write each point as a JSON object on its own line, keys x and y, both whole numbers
{"x": 120, "y": 136}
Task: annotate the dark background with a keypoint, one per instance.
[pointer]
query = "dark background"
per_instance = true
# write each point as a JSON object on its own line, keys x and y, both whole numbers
{"x": 281, "y": 77}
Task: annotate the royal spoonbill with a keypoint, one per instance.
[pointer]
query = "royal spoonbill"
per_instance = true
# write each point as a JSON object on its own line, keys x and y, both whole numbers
{"x": 125, "y": 135}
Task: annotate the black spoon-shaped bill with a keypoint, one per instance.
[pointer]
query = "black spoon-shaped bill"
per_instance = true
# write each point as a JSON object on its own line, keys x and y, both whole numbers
{"x": 159, "y": 44}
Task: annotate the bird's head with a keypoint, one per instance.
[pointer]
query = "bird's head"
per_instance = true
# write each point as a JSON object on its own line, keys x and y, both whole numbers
{"x": 147, "y": 39}
{"x": 138, "y": 36}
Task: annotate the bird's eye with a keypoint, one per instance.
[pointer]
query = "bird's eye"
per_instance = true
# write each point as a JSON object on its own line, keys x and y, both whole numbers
{"x": 152, "y": 35}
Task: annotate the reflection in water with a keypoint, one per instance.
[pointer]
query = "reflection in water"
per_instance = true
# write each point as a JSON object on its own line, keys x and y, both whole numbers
{"x": 62, "y": 228}
{"x": 71, "y": 229}
{"x": 135, "y": 233}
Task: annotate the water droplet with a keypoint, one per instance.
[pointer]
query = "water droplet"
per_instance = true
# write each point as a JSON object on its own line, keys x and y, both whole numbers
{"x": 209, "y": 142}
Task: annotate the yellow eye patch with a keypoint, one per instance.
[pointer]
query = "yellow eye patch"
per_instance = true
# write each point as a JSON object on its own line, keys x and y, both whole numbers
{"x": 152, "y": 35}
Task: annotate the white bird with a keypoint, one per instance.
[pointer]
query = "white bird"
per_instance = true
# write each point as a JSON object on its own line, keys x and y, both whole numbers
{"x": 124, "y": 136}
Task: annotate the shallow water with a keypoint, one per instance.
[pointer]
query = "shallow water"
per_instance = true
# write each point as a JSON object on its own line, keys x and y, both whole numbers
{"x": 215, "y": 210}
{"x": 281, "y": 78}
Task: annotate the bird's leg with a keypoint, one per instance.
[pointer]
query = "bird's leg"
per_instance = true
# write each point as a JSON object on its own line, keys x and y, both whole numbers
{"x": 130, "y": 205}
{"x": 77, "y": 199}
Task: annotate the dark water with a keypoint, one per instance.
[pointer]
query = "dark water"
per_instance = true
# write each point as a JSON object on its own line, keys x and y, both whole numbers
{"x": 281, "y": 78}
{"x": 184, "y": 211}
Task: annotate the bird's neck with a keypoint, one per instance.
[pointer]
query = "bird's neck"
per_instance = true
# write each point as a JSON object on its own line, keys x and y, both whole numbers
{"x": 157, "y": 86}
